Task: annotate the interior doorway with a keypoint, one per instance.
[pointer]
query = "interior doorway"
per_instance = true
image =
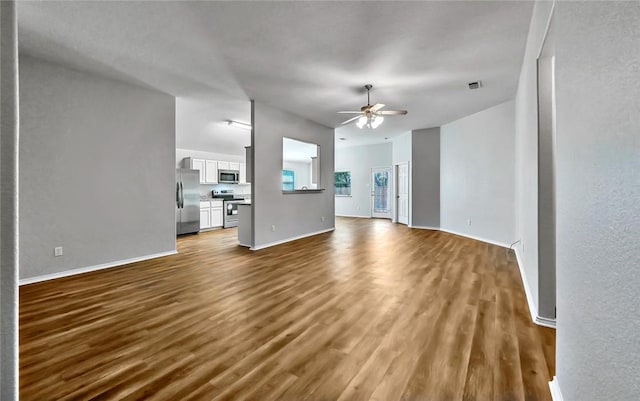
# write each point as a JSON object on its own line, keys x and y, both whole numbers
{"x": 402, "y": 192}
{"x": 381, "y": 192}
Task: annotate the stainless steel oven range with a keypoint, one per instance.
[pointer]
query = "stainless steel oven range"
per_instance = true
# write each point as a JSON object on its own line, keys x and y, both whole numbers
{"x": 230, "y": 207}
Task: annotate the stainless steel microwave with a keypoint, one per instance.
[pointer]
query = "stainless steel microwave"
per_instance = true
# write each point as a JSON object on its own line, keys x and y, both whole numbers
{"x": 228, "y": 176}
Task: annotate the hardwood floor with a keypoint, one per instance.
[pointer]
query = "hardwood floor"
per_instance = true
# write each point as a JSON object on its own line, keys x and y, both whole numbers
{"x": 371, "y": 311}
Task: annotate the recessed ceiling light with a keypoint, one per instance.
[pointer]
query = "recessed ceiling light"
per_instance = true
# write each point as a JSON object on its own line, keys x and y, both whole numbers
{"x": 238, "y": 124}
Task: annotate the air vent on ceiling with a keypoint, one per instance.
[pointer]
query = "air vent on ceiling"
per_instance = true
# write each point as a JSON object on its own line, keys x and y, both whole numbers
{"x": 475, "y": 85}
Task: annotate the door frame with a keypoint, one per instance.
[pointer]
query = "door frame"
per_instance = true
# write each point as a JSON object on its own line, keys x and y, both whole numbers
{"x": 394, "y": 214}
{"x": 391, "y": 192}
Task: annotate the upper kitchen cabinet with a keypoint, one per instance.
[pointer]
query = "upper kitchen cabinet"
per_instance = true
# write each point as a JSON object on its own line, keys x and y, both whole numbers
{"x": 195, "y": 164}
{"x": 211, "y": 171}
{"x": 234, "y": 166}
{"x": 223, "y": 165}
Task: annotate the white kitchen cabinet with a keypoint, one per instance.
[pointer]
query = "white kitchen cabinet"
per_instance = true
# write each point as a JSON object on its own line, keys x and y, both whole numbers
{"x": 211, "y": 171}
{"x": 205, "y": 218}
{"x": 217, "y": 217}
{"x": 243, "y": 173}
{"x": 234, "y": 166}
{"x": 195, "y": 164}
{"x": 223, "y": 165}
{"x": 211, "y": 214}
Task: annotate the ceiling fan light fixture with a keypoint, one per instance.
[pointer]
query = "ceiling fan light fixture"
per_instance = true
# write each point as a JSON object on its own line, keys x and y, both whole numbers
{"x": 376, "y": 121}
{"x": 371, "y": 115}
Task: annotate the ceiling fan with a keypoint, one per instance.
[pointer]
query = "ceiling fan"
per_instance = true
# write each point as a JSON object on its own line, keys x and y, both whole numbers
{"x": 371, "y": 116}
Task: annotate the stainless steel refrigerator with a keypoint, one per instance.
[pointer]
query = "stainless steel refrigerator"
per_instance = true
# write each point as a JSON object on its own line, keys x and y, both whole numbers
{"x": 187, "y": 201}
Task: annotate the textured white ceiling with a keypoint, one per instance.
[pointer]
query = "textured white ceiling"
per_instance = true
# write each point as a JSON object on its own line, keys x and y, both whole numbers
{"x": 310, "y": 58}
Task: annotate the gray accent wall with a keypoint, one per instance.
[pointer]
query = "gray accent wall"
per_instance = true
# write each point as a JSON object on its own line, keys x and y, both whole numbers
{"x": 8, "y": 201}
{"x": 526, "y": 152}
{"x": 425, "y": 183}
{"x": 598, "y": 199}
{"x": 359, "y": 160}
{"x": 97, "y": 169}
{"x": 477, "y": 174}
{"x": 293, "y": 215}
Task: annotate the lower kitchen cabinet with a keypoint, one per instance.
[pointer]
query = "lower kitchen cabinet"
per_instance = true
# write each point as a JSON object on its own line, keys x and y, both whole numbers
{"x": 211, "y": 214}
{"x": 205, "y": 218}
{"x": 216, "y": 214}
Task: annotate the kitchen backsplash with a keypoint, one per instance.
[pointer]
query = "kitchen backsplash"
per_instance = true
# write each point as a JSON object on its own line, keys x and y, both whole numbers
{"x": 205, "y": 189}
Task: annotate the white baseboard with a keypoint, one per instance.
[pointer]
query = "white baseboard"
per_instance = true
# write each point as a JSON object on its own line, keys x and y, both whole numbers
{"x": 102, "y": 266}
{"x": 476, "y": 238}
{"x": 541, "y": 321}
{"x": 425, "y": 228}
{"x": 353, "y": 215}
{"x": 554, "y": 386}
{"x": 270, "y": 244}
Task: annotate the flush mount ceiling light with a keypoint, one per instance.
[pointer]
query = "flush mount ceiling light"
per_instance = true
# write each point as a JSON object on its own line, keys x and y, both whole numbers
{"x": 371, "y": 116}
{"x": 238, "y": 124}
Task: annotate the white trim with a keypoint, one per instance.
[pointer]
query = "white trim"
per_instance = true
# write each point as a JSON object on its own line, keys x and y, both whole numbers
{"x": 425, "y": 228}
{"x": 270, "y": 244}
{"x": 476, "y": 238}
{"x": 353, "y": 215}
{"x": 554, "y": 386}
{"x": 546, "y": 29}
{"x": 533, "y": 310}
{"x": 81, "y": 270}
{"x": 546, "y": 322}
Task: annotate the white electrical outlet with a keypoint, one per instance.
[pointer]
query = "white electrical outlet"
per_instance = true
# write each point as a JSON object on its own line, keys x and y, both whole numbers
{"x": 322, "y": 219}
{"x": 57, "y": 251}
{"x": 273, "y": 228}
{"x": 469, "y": 222}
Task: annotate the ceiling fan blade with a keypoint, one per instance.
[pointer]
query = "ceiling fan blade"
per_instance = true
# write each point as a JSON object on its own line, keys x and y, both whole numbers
{"x": 392, "y": 112}
{"x": 349, "y": 112}
{"x": 351, "y": 119}
{"x": 377, "y": 107}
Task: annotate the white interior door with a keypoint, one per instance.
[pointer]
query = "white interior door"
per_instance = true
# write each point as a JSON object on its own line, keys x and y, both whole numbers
{"x": 402, "y": 192}
{"x": 381, "y": 192}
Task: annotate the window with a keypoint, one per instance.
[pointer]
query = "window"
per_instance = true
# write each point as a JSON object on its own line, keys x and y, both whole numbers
{"x": 343, "y": 183}
{"x": 288, "y": 180}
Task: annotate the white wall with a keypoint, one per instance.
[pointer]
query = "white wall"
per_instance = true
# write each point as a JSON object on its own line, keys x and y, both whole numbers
{"x": 198, "y": 154}
{"x": 8, "y": 202}
{"x": 359, "y": 160}
{"x": 97, "y": 171}
{"x": 301, "y": 173}
{"x": 425, "y": 183}
{"x": 526, "y": 152}
{"x": 401, "y": 151}
{"x": 598, "y": 200}
{"x": 293, "y": 214}
{"x": 477, "y": 174}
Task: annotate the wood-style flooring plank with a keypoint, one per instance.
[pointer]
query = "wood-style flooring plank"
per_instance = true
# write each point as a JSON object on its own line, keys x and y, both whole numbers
{"x": 371, "y": 311}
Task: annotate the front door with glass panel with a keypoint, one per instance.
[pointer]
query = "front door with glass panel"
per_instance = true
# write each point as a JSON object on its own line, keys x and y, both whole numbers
{"x": 381, "y": 192}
